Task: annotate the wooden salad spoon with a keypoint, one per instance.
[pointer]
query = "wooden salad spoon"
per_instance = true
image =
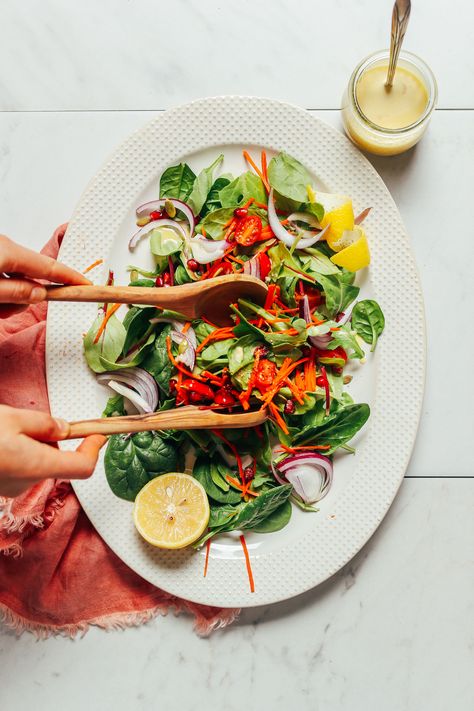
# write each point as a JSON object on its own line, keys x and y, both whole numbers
{"x": 188, "y": 417}
{"x": 210, "y": 297}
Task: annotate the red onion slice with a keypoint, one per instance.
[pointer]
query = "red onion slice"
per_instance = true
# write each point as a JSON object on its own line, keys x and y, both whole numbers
{"x": 252, "y": 267}
{"x": 361, "y": 217}
{"x": 305, "y": 217}
{"x": 317, "y": 341}
{"x": 141, "y": 404}
{"x": 139, "y": 379}
{"x": 206, "y": 250}
{"x": 309, "y": 473}
{"x": 283, "y": 235}
{"x": 148, "y": 207}
{"x": 143, "y": 231}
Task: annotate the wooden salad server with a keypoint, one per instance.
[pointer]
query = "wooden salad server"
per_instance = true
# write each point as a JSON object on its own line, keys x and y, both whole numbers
{"x": 188, "y": 417}
{"x": 210, "y": 296}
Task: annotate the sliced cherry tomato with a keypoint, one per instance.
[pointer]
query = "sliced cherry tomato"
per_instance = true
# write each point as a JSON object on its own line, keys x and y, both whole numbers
{"x": 265, "y": 264}
{"x": 248, "y": 230}
{"x": 265, "y": 375}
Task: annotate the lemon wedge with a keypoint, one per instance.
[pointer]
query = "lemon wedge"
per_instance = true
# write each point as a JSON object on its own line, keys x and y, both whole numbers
{"x": 352, "y": 250}
{"x": 171, "y": 511}
{"x": 338, "y": 213}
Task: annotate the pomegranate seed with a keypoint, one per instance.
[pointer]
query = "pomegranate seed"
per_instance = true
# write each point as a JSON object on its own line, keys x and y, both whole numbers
{"x": 156, "y": 215}
{"x": 260, "y": 351}
{"x": 289, "y": 407}
{"x": 248, "y": 474}
{"x": 193, "y": 265}
{"x": 337, "y": 369}
{"x": 240, "y": 212}
{"x": 166, "y": 278}
{"x": 159, "y": 281}
{"x": 320, "y": 381}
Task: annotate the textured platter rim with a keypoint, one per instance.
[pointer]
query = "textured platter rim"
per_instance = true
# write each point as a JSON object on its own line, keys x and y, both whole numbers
{"x": 256, "y": 121}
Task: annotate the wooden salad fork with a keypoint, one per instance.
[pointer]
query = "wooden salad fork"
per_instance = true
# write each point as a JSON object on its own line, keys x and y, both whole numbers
{"x": 210, "y": 297}
{"x": 188, "y": 417}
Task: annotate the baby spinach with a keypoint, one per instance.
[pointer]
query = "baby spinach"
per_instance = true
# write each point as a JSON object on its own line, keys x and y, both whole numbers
{"x": 338, "y": 294}
{"x": 213, "y": 200}
{"x": 346, "y": 338}
{"x": 109, "y": 345}
{"x": 246, "y": 186}
{"x": 335, "y": 430}
{"x": 202, "y": 472}
{"x": 131, "y": 461}
{"x": 215, "y": 221}
{"x": 318, "y": 263}
{"x": 202, "y": 186}
{"x": 276, "y": 520}
{"x": 157, "y": 362}
{"x": 261, "y": 507}
{"x": 177, "y": 182}
{"x": 181, "y": 276}
{"x": 368, "y": 320}
{"x": 242, "y": 352}
{"x": 150, "y": 283}
{"x": 137, "y": 324}
{"x": 289, "y": 177}
{"x": 215, "y": 352}
{"x": 115, "y": 407}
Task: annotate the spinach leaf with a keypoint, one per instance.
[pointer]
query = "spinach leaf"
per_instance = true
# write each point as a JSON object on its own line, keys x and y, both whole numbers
{"x": 137, "y": 323}
{"x": 222, "y": 515}
{"x": 157, "y": 362}
{"x": 202, "y": 186}
{"x": 313, "y": 208}
{"x": 241, "y": 352}
{"x": 177, "y": 182}
{"x": 260, "y": 508}
{"x": 142, "y": 282}
{"x": 181, "y": 276}
{"x": 109, "y": 345}
{"x": 202, "y": 472}
{"x": 338, "y": 294}
{"x": 276, "y": 520}
{"x": 289, "y": 177}
{"x": 317, "y": 263}
{"x": 214, "y": 222}
{"x": 287, "y": 290}
{"x": 115, "y": 407}
{"x": 165, "y": 241}
{"x": 216, "y": 351}
{"x": 137, "y": 358}
{"x": 368, "y": 320}
{"x": 246, "y": 186}
{"x": 213, "y": 201}
{"x": 131, "y": 461}
{"x": 346, "y": 338}
{"x": 335, "y": 430}
{"x": 202, "y": 330}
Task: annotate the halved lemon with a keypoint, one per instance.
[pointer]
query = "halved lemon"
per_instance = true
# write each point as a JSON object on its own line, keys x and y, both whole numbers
{"x": 338, "y": 213}
{"x": 171, "y": 511}
{"x": 352, "y": 250}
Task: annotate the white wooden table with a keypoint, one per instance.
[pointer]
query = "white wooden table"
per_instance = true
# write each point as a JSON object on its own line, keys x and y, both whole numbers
{"x": 394, "y": 630}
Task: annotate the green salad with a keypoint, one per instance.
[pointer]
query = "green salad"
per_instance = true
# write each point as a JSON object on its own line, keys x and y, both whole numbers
{"x": 288, "y": 356}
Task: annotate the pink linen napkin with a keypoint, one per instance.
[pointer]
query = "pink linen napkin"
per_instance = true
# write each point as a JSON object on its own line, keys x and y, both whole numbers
{"x": 57, "y": 576}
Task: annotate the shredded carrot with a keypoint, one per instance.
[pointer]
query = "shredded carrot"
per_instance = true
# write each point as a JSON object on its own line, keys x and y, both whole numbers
{"x": 206, "y": 320}
{"x": 203, "y": 232}
{"x": 293, "y": 450}
{"x": 234, "y": 451}
{"x": 264, "y": 166}
{"x": 295, "y": 390}
{"x": 247, "y": 563}
{"x": 244, "y": 488}
{"x": 279, "y": 419}
{"x": 94, "y": 264}
{"x": 256, "y": 169}
{"x": 235, "y": 259}
{"x": 186, "y": 326}
{"x": 245, "y": 396}
{"x": 248, "y": 203}
{"x": 270, "y": 296}
{"x": 110, "y": 312}
{"x": 231, "y": 228}
{"x": 220, "y": 334}
{"x": 178, "y": 366}
{"x": 286, "y": 368}
{"x": 261, "y": 205}
{"x": 206, "y": 562}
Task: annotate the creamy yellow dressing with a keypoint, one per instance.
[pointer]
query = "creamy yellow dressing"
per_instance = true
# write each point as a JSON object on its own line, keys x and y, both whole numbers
{"x": 393, "y": 108}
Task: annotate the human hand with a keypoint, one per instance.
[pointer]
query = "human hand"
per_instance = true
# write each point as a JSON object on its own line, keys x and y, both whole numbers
{"x": 26, "y": 459}
{"x": 19, "y": 267}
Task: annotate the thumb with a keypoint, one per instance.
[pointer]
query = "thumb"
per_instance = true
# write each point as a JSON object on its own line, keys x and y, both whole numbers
{"x": 21, "y": 291}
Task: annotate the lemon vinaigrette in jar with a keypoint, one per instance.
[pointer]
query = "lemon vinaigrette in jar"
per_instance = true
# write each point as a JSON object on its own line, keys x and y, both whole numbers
{"x": 391, "y": 120}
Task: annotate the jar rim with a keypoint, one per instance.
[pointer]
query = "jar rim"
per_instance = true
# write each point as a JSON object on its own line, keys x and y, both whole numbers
{"x": 414, "y": 61}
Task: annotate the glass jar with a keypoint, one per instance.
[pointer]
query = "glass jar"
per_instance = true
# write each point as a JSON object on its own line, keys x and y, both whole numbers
{"x": 374, "y": 138}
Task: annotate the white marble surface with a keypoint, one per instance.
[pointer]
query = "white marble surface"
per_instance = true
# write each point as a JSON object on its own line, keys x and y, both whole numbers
{"x": 393, "y": 630}
{"x": 151, "y": 54}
